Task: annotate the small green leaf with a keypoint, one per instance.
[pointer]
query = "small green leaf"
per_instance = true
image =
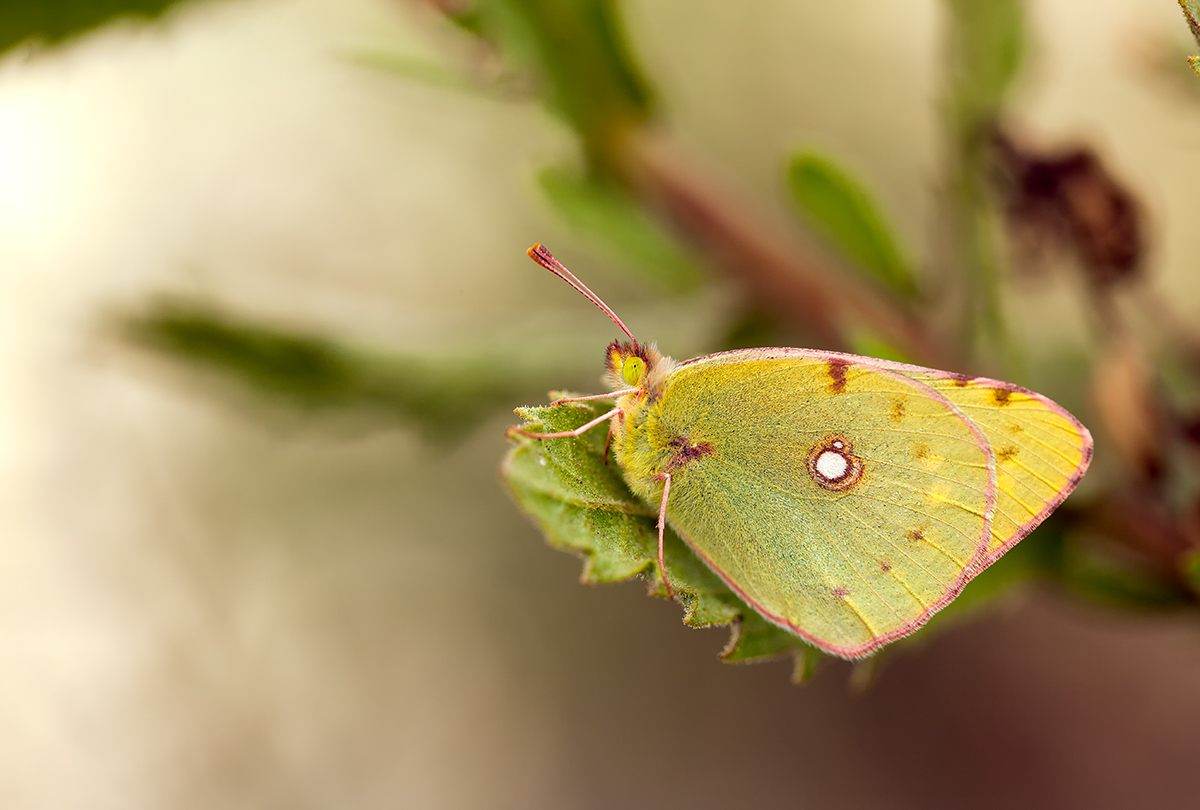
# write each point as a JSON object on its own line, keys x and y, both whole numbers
{"x": 55, "y": 20}
{"x": 582, "y": 504}
{"x": 842, "y": 212}
{"x": 607, "y": 213}
{"x": 441, "y": 395}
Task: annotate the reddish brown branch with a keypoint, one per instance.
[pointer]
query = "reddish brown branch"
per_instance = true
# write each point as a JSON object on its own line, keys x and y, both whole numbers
{"x": 777, "y": 265}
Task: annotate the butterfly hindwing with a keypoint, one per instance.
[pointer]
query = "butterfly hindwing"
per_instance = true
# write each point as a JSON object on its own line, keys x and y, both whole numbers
{"x": 1041, "y": 450}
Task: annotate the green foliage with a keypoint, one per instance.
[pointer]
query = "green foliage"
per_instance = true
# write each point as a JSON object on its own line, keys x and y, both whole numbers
{"x": 1191, "y": 12}
{"x": 583, "y": 505}
{"x": 1105, "y": 575}
{"x": 986, "y": 40}
{"x": 55, "y": 20}
{"x": 441, "y": 395}
{"x": 1190, "y": 570}
{"x": 842, "y": 212}
{"x": 578, "y": 51}
{"x": 609, "y": 214}
{"x": 985, "y": 46}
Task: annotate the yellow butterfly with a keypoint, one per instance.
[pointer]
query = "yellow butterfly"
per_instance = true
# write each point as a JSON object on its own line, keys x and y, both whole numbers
{"x": 845, "y": 499}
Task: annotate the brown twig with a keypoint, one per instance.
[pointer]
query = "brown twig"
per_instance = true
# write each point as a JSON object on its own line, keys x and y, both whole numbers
{"x": 779, "y": 267}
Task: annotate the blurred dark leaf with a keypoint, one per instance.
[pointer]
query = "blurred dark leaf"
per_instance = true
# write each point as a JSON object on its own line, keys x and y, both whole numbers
{"x": 1189, "y": 567}
{"x": 579, "y": 52}
{"x": 1037, "y": 557}
{"x": 841, "y": 211}
{"x": 986, "y": 41}
{"x": 1069, "y": 200}
{"x": 1106, "y": 574}
{"x": 607, "y": 213}
{"x": 869, "y": 345}
{"x": 441, "y": 395}
{"x": 583, "y": 505}
{"x": 754, "y": 327}
{"x": 55, "y": 20}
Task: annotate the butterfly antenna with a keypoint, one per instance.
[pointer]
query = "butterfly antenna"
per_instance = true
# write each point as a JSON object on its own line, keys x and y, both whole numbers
{"x": 546, "y": 259}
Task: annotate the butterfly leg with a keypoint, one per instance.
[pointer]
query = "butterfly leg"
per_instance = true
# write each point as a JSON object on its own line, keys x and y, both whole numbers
{"x": 662, "y": 525}
{"x": 566, "y": 434}
{"x": 608, "y": 439}
{"x": 612, "y": 395}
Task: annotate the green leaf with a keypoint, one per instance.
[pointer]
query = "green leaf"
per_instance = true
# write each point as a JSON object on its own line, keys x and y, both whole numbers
{"x": 842, "y": 212}
{"x": 608, "y": 213}
{"x": 582, "y": 505}
{"x": 578, "y": 50}
{"x": 986, "y": 45}
{"x": 1191, "y": 12}
{"x": 55, "y": 20}
{"x": 443, "y": 396}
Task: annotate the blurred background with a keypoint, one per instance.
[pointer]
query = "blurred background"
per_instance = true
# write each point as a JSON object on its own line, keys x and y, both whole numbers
{"x": 266, "y": 311}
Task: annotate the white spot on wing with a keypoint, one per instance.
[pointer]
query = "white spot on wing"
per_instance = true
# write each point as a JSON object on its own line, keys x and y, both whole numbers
{"x": 832, "y": 465}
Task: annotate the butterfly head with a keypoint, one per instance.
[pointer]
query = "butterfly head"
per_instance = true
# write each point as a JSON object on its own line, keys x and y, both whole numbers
{"x": 633, "y": 365}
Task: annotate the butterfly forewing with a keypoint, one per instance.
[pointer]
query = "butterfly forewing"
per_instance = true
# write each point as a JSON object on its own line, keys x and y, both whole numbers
{"x": 845, "y": 502}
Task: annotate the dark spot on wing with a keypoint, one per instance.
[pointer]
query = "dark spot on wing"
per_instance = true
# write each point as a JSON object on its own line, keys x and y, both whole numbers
{"x": 684, "y": 452}
{"x": 916, "y": 535}
{"x": 898, "y": 410}
{"x": 1007, "y": 453}
{"x": 1001, "y": 395}
{"x": 921, "y": 451}
{"x": 837, "y": 375}
{"x": 961, "y": 380}
{"x": 885, "y": 566}
{"x": 840, "y": 592}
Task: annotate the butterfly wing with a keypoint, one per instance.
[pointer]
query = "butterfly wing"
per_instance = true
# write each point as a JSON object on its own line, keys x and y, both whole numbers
{"x": 1041, "y": 450}
{"x": 844, "y": 502}
{"x": 849, "y": 499}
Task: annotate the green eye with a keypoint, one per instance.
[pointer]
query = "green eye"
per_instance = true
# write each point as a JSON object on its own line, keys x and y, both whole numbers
{"x": 633, "y": 369}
